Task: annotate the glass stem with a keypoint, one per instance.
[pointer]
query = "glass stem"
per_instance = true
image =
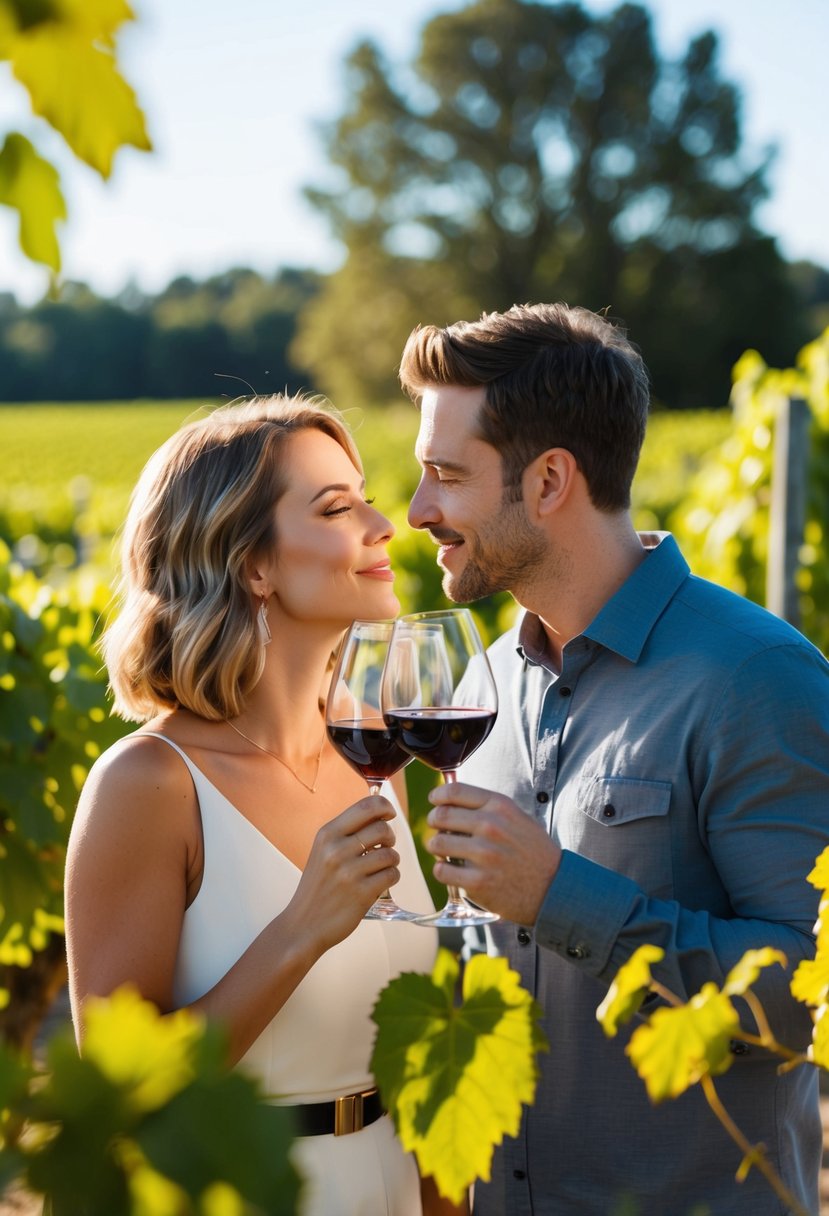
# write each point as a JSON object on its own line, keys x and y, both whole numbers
{"x": 454, "y": 893}
{"x": 374, "y": 788}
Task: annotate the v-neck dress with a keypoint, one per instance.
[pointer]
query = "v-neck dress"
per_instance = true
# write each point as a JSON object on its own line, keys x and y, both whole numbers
{"x": 319, "y": 1044}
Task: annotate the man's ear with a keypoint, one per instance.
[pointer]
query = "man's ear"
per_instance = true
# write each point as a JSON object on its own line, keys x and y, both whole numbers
{"x": 549, "y": 481}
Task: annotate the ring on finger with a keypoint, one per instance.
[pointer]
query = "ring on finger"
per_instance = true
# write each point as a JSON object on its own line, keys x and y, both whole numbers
{"x": 362, "y": 846}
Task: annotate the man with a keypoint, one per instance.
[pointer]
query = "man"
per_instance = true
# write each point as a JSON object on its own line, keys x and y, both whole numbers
{"x": 661, "y": 762}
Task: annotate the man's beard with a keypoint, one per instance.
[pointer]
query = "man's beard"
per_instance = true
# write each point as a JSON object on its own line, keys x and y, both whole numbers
{"x": 502, "y": 557}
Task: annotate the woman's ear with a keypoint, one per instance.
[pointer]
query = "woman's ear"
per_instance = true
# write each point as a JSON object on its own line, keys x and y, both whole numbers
{"x": 258, "y": 583}
{"x": 549, "y": 481}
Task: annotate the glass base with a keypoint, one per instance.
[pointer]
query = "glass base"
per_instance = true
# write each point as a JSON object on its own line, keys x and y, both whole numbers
{"x": 387, "y": 909}
{"x": 458, "y": 915}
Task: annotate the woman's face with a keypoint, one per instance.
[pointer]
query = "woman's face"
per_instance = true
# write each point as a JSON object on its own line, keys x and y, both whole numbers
{"x": 330, "y": 562}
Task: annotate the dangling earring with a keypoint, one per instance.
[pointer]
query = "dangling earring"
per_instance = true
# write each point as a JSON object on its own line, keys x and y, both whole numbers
{"x": 262, "y": 626}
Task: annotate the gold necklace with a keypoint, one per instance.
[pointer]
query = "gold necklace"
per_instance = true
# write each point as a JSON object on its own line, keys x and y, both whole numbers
{"x": 312, "y": 789}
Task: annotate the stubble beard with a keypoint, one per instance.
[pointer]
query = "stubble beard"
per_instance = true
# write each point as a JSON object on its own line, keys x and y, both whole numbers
{"x": 503, "y": 556}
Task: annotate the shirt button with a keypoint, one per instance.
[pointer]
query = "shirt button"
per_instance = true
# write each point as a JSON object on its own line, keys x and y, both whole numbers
{"x": 564, "y": 692}
{"x": 519, "y": 1174}
{"x": 609, "y": 811}
{"x": 578, "y": 952}
{"x": 524, "y": 938}
{"x": 542, "y": 796}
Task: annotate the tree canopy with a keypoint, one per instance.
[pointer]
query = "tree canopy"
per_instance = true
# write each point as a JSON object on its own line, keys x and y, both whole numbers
{"x": 537, "y": 151}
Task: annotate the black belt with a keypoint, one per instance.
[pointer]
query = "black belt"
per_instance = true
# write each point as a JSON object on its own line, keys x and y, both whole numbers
{"x": 343, "y": 1115}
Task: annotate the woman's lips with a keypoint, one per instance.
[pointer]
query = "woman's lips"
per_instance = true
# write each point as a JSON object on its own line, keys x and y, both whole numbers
{"x": 382, "y": 571}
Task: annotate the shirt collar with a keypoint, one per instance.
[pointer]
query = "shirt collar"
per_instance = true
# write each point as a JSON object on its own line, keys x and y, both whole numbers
{"x": 626, "y": 620}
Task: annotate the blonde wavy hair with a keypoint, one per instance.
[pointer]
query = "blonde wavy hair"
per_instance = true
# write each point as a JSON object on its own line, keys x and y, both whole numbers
{"x": 185, "y": 632}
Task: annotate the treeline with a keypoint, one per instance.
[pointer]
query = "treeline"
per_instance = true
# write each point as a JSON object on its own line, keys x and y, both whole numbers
{"x": 229, "y": 335}
{"x": 221, "y": 337}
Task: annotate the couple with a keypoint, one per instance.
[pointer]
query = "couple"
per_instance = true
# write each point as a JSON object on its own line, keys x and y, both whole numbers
{"x": 658, "y": 773}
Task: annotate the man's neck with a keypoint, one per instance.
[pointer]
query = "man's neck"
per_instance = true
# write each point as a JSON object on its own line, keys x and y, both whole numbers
{"x": 585, "y": 576}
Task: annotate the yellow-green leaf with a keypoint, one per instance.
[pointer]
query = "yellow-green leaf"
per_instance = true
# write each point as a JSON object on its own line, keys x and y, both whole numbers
{"x": 746, "y": 971}
{"x": 679, "y": 1045}
{"x": 455, "y": 1076}
{"x": 99, "y": 19}
{"x": 135, "y": 1046}
{"x": 810, "y": 982}
{"x": 30, "y": 185}
{"x": 77, "y": 87}
{"x": 819, "y": 1048}
{"x": 628, "y": 990}
{"x": 818, "y": 876}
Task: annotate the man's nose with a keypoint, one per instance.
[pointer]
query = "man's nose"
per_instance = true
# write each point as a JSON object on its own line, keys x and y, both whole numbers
{"x": 421, "y": 510}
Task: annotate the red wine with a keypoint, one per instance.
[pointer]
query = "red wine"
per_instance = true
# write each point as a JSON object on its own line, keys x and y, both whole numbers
{"x": 442, "y": 738}
{"x": 370, "y": 746}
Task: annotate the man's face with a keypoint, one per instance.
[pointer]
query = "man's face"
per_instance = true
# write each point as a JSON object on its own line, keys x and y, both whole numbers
{"x": 486, "y": 543}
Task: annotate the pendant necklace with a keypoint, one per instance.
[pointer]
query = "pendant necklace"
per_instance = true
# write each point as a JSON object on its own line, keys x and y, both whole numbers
{"x": 312, "y": 789}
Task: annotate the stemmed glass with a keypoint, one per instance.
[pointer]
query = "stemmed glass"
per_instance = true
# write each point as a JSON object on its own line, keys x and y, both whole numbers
{"x": 438, "y": 690}
{"x": 355, "y": 723}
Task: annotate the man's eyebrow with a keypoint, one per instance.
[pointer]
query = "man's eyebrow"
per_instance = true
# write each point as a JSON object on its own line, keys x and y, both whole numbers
{"x": 340, "y": 486}
{"x": 450, "y": 466}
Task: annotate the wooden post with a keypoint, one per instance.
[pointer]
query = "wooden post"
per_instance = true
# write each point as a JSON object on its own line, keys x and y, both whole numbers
{"x": 787, "y": 516}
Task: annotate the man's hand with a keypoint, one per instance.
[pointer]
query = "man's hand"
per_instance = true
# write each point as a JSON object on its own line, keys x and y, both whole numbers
{"x": 508, "y": 859}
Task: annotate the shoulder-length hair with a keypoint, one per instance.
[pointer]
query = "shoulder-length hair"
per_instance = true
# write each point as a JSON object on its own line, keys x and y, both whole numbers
{"x": 203, "y": 508}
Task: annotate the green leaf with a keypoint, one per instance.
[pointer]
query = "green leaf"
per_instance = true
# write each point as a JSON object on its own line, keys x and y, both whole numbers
{"x": 679, "y": 1045}
{"x": 810, "y": 982}
{"x": 746, "y": 971}
{"x": 77, "y": 87}
{"x": 30, "y": 185}
{"x": 148, "y": 1055}
{"x": 220, "y": 1130}
{"x": 628, "y": 990}
{"x": 99, "y": 19}
{"x": 818, "y": 876}
{"x": 455, "y": 1076}
{"x": 819, "y": 1048}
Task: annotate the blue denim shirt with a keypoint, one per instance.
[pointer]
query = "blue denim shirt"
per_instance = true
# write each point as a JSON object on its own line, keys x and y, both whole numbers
{"x": 681, "y": 761}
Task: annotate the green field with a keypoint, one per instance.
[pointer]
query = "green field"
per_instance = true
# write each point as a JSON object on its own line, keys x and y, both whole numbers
{"x": 69, "y": 469}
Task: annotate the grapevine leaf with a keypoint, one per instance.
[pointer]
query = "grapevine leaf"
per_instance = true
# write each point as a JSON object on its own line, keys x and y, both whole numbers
{"x": 746, "y": 971}
{"x": 677, "y": 1046}
{"x": 810, "y": 982}
{"x": 819, "y": 1049}
{"x": 818, "y": 876}
{"x": 99, "y": 19}
{"x": 628, "y": 990}
{"x": 454, "y": 1076}
{"x": 31, "y": 186}
{"x": 77, "y": 87}
{"x": 135, "y": 1047}
{"x": 219, "y": 1129}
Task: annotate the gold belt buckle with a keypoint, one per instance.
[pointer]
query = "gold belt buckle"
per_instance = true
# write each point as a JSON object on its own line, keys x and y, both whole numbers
{"x": 348, "y": 1113}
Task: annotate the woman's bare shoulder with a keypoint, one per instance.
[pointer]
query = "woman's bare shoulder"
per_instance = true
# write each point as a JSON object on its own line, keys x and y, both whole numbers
{"x": 139, "y": 780}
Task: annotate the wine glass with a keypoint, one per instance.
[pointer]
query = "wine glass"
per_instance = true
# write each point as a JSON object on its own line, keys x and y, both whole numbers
{"x": 438, "y": 690}
{"x": 355, "y": 723}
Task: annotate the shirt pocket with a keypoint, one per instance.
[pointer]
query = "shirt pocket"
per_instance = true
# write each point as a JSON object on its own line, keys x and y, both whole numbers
{"x": 623, "y": 823}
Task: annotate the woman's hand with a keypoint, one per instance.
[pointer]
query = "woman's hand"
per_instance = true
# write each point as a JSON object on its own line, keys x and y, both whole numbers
{"x": 352, "y": 861}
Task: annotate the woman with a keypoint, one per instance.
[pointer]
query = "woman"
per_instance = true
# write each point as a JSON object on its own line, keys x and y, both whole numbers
{"x": 211, "y": 862}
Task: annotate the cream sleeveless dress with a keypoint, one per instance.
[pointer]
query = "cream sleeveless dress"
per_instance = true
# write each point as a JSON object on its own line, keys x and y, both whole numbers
{"x": 319, "y": 1044}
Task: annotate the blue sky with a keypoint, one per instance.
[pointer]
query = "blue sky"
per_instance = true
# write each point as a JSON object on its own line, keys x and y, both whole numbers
{"x": 233, "y": 92}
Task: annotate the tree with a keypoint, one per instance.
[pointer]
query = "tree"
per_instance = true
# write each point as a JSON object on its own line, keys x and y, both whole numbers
{"x": 63, "y": 53}
{"x": 535, "y": 151}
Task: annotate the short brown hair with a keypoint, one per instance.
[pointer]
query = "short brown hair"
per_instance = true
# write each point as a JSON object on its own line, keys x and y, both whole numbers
{"x": 555, "y": 376}
{"x": 203, "y": 507}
